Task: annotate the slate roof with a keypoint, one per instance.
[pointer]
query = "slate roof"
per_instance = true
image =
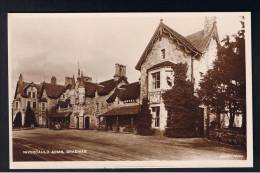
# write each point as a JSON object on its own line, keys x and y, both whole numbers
{"x": 53, "y": 91}
{"x": 121, "y": 111}
{"x": 42, "y": 100}
{"x": 130, "y": 91}
{"x": 90, "y": 89}
{"x": 162, "y": 64}
{"x": 109, "y": 85}
{"x": 201, "y": 40}
{"x": 59, "y": 114}
{"x": 161, "y": 30}
{"x": 126, "y": 92}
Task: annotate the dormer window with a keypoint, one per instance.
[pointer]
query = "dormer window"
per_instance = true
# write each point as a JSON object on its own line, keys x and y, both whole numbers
{"x": 163, "y": 53}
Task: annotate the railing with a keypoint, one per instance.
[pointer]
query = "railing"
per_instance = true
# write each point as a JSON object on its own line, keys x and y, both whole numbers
{"x": 155, "y": 96}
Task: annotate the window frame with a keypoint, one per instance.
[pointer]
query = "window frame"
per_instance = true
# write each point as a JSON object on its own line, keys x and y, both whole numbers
{"x": 156, "y": 109}
{"x": 156, "y": 80}
{"x": 34, "y": 105}
{"x": 163, "y": 53}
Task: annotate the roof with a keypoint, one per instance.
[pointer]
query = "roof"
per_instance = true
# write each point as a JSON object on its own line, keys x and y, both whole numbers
{"x": 21, "y": 88}
{"x": 162, "y": 64}
{"x": 201, "y": 40}
{"x": 130, "y": 91}
{"x": 64, "y": 104}
{"x": 126, "y": 92}
{"x": 120, "y": 111}
{"x": 90, "y": 89}
{"x": 59, "y": 115}
{"x": 53, "y": 90}
{"x": 164, "y": 30}
{"x": 42, "y": 100}
{"x": 109, "y": 85}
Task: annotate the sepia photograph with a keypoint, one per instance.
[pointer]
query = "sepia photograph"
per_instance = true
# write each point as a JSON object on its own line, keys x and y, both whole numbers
{"x": 130, "y": 90}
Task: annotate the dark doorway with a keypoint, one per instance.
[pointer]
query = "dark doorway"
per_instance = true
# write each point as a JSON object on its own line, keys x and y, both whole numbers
{"x": 87, "y": 123}
{"x": 18, "y": 120}
{"x": 77, "y": 122}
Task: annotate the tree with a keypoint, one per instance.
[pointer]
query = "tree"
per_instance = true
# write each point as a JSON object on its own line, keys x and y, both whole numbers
{"x": 223, "y": 88}
{"x": 181, "y": 104}
{"x": 144, "y": 119}
{"x": 29, "y": 117}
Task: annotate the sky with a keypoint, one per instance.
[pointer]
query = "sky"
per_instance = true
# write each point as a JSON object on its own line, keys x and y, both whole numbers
{"x": 52, "y": 44}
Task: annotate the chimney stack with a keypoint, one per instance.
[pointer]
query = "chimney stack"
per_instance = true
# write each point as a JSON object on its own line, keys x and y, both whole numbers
{"x": 53, "y": 80}
{"x": 120, "y": 71}
{"x": 208, "y": 24}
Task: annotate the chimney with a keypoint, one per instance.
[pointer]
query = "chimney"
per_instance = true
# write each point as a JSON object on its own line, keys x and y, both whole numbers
{"x": 120, "y": 71}
{"x": 68, "y": 81}
{"x": 20, "y": 77}
{"x": 208, "y": 24}
{"x": 53, "y": 80}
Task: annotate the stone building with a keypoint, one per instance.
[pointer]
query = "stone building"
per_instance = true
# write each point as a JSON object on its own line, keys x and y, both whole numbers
{"x": 41, "y": 98}
{"x": 89, "y": 99}
{"x": 114, "y": 103}
{"x": 166, "y": 48}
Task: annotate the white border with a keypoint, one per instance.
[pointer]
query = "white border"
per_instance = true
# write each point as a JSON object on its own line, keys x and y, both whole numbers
{"x": 156, "y": 164}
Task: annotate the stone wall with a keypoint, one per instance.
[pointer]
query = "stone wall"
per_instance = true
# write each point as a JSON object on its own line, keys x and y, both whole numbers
{"x": 172, "y": 53}
{"x": 205, "y": 62}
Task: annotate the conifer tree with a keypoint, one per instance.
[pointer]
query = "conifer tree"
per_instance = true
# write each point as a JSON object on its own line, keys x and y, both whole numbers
{"x": 181, "y": 104}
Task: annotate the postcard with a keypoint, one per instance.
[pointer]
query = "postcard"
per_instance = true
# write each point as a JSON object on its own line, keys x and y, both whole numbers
{"x": 130, "y": 90}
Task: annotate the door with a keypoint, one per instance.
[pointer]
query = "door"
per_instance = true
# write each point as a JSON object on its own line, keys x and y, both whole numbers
{"x": 87, "y": 123}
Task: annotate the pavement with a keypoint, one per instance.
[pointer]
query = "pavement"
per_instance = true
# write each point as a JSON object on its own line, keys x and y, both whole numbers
{"x": 42, "y": 144}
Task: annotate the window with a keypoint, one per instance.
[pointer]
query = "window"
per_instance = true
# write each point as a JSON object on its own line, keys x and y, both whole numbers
{"x": 156, "y": 80}
{"x": 156, "y": 110}
{"x": 34, "y": 105}
{"x": 16, "y": 105}
{"x": 29, "y": 103}
{"x": 29, "y": 94}
{"x": 163, "y": 53}
{"x": 43, "y": 106}
{"x": 169, "y": 78}
{"x": 97, "y": 104}
{"x": 33, "y": 94}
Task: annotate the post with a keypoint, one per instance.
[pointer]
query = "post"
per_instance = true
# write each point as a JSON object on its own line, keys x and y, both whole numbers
{"x": 132, "y": 122}
{"x": 117, "y": 124}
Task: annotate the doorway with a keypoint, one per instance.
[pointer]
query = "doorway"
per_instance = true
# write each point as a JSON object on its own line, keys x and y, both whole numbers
{"x": 87, "y": 122}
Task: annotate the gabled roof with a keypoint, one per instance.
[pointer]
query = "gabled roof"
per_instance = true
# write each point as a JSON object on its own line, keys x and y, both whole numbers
{"x": 53, "y": 91}
{"x": 109, "y": 85}
{"x": 162, "y": 64}
{"x": 126, "y": 92}
{"x": 201, "y": 40}
{"x": 21, "y": 88}
{"x": 164, "y": 30}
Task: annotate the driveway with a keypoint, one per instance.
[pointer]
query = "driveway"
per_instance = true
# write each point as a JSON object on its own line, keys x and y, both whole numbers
{"x": 91, "y": 145}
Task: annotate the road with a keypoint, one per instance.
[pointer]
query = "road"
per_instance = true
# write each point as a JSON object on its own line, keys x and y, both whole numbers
{"x": 90, "y": 145}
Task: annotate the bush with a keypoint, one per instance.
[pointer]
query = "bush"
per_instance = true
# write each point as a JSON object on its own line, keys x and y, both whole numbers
{"x": 30, "y": 118}
{"x": 144, "y": 120}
